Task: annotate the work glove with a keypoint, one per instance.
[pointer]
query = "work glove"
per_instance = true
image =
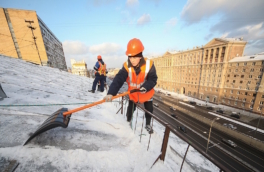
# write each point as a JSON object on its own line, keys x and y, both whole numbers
{"x": 143, "y": 90}
{"x": 108, "y": 98}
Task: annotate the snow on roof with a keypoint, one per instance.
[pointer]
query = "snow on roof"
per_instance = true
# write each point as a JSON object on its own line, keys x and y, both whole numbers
{"x": 256, "y": 57}
{"x": 97, "y": 139}
{"x": 232, "y": 39}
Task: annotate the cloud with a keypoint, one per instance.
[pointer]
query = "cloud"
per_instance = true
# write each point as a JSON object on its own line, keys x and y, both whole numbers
{"x": 207, "y": 37}
{"x": 75, "y": 47}
{"x": 236, "y": 18}
{"x": 144, "y": 19}
{"x": 132, "y": 3}
{"x": 170, "y": 24}
{"x": 105, "y": 49}
{"x": 113, "y": 54}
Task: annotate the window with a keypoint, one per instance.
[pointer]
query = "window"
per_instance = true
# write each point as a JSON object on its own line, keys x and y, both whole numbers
{"x": 254, "y": 95}
{"x": 244, "y": 99}
{"x": 223, "y": 100}
{"x": 237, "y": 64}
{"x": 238, "y": 92}
{"x": 259, "y": 108}
{"x": 253, "y": 63}
{"x": 231, "y": 91}
{"x": 241, "y": 82}
{"x": 244, "y": 70}
{"x": 243, "y": 104}
{"x": 262, "y": 96}
{"x": 228, "y": 75}
{"x": 261, "y": 102}
{"x": 261, "y": 69}
{"x": 250, "y": 76}
{"x": 245, "y": 63}
{"x": 249, "y": 82}
{"x": 259, "y": 76}
{"x": 251, "y": 70}
{"x": 234, "y": 81}
{"x": 236, "y": 70}
{"x": 235, "y": 103}
{"x": 234, "y": 75}
{"x": 242, "y": 76}
{"x": 227, "y": 81}
{"x": 251, "y": 106}
{"x": 245, "y": 93}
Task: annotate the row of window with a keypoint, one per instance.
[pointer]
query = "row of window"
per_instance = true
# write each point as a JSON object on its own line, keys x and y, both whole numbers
{"x": 242, "y": 76}
{"x": 244, "y": 64}
{"x": 244, "y": 70}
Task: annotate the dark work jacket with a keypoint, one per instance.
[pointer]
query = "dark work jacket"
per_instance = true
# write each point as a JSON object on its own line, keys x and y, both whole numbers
{"x": 121, "y": 77}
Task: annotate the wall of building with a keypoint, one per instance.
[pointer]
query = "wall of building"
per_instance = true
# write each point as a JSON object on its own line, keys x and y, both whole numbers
{"x": 53, "y": 47}
{"x": 243, "y": 86}
{"x": 24, "y": 36}
{"x": 7, "y": 46}
{"x": 203, "y": 73}
{"x": 17, "y": 39}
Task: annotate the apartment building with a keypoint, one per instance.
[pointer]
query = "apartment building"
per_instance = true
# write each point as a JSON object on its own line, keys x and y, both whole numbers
{"x": 17, "y": 40}
{"x": 201, "y": 72}
{"x": 243, "y": 84}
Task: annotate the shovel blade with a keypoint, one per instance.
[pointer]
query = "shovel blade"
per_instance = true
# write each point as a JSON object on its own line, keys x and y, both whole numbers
{"x": 55, "y": 120}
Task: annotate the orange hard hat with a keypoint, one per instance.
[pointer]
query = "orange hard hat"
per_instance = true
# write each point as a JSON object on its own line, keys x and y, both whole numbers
{"x": 99, "y": 57}
{"x": 134, "y": 47}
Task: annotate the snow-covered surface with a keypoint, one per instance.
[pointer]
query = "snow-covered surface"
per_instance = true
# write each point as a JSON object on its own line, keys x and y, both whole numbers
{"x": 97, "y": 139}
{"x": 237, "y": 122}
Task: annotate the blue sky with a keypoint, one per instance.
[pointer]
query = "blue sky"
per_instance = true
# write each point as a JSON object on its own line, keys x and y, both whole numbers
{"x": 92, "y": 27}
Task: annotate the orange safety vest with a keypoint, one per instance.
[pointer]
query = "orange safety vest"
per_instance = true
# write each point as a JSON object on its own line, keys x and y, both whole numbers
{"x": 102, "y": 69}
{"x": 135, "y": 81}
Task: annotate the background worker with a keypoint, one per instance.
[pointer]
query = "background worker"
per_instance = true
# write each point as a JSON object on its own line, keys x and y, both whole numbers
{"x": 100, "y": 68}
{"x": 139, "y": 73}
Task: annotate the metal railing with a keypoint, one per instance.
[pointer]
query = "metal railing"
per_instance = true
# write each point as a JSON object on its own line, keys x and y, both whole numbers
{"x": 169, "y": 129}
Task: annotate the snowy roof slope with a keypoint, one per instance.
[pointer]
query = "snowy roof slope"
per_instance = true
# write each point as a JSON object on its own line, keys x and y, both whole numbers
{"x": 97, "y": 139}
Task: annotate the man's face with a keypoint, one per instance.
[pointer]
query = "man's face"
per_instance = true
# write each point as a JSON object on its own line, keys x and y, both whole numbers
{"x": 134, "y": 60}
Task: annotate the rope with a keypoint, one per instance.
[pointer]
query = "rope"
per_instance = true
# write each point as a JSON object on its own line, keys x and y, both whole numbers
{"x": 49, "y": 104}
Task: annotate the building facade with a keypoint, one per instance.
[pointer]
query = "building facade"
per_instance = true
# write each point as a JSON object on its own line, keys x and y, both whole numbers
{"x": 16, "y": 39}
{"x": 201, "y": 72}
{"x": 79, "y": 68}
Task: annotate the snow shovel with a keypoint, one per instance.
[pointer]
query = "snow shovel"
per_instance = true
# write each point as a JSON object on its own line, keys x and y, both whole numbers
{"x": 61, "y": 118}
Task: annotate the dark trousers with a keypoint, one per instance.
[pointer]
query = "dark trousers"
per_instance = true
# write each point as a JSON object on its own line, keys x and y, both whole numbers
{"x": 96, "y": 79}
{"x": 132, "y": 107}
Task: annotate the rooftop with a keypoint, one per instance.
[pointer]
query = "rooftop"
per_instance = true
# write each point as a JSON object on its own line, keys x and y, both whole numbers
{"x": 257, "y": 57}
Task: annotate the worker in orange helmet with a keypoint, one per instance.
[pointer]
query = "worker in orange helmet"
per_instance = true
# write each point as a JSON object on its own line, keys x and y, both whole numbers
{"x": 100, "y": 73}
{"x": 139, "y": 73}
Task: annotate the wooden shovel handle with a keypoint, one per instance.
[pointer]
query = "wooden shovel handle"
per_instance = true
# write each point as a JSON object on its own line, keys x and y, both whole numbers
{"x": 96, "y": 103}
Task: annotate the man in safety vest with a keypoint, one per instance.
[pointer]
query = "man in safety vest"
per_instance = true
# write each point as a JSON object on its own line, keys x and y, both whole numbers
{"x": 100, "y": 68}
{"x": 139, "y": 73}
